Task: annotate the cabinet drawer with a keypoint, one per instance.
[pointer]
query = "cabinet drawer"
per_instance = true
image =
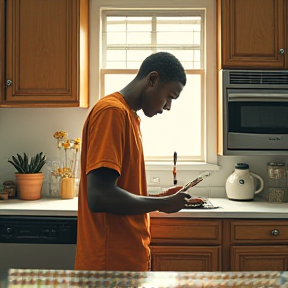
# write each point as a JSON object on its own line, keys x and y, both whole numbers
{"x": 264, "y": 231}
{"x": 186, "y": 231}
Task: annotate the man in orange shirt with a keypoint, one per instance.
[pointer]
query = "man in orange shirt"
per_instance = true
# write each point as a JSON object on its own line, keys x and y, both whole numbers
{"x": 113, "y": 221}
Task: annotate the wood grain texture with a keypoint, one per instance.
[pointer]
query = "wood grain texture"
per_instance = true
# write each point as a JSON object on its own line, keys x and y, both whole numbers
{"x": 43, "y": 54}
{"x": 259, "y": 258}
{"x": 185, "y": 231}
{"x": 249, "y": 245}
{"x": 189, "y": 258}
{"x": 2, "y": 48}
{"x": 252, "y": 32}
{"x": 192, "y": 244}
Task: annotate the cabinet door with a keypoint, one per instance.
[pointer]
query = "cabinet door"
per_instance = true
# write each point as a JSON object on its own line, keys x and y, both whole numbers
{"x": 186, "y": 258}
{"x": 285, "y": 32}
{"x": 42, "y": 52}
{"x": 259, "y": 258}
{"x": 252, "y": 33}
{"x": 2, "y": 48}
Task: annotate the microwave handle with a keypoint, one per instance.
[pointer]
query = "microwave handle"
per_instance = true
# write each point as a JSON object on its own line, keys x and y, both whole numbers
{"x": 265, "y": 97}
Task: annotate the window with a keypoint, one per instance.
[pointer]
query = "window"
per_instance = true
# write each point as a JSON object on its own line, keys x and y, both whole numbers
{"x": 128, "y": 37}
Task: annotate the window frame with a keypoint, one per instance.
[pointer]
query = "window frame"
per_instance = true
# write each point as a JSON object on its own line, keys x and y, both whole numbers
{"x": 210, "y": 86}
{"x": 154, "y": 13}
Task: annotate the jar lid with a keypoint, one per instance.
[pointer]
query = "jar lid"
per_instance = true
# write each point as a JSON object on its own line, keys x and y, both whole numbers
{"x": 276, "y": 164}
{"x": 242, "y": 166}
{"x": 8, "y": 182}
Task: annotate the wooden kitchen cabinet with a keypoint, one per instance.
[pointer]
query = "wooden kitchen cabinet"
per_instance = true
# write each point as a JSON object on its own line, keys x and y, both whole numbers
{"x": 252, "y": 34}
{"x": 185, "y": 258}
{"x": 186, "y": 244}
{"x": 193, "y": 244}
{"x": 259, "y": 258}
{"x": 255, "y": 245}
{"x": 46, "y": 48}
{"x": 2, "y": 48}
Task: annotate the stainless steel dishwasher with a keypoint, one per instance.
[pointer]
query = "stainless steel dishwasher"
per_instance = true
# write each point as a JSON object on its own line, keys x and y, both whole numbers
{"x": 37, "y": 242}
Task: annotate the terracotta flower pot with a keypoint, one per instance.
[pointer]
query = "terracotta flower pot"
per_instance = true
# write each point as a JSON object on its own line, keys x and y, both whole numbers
{"x": 29, "y": 185}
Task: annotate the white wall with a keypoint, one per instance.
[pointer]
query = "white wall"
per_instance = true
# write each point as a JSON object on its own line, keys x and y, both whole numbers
{"x": 31, "y": 130}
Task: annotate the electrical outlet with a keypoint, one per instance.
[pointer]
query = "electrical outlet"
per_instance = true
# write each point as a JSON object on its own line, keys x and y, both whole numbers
{"x": 155, "y": 180}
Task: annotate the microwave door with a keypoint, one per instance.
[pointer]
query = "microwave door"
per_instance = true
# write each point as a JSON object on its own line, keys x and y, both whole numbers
{"x": 257, "y": 121}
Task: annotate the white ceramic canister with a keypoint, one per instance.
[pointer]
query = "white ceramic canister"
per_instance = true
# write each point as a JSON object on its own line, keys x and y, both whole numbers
{"x": 241, "y": 184}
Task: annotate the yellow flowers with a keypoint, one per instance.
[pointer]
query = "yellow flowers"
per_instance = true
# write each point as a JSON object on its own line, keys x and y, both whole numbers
{"x": 77, "y": 144}
{"x": 77, "y": 141}
{"x": 70, "y": 163}
{"x": 60, "y": 136}
{"x": 62, "y": 172}
{"x": 64, "y": 142}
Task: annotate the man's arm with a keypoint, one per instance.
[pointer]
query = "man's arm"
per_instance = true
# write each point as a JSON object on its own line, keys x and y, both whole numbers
{"x": 105, "y": 196}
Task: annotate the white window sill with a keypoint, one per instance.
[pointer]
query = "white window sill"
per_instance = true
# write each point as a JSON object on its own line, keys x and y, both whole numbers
{"x": 181, "y": 166}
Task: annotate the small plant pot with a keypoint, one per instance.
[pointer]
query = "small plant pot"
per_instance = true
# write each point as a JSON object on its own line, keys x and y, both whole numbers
{"x": 29, "y": 185}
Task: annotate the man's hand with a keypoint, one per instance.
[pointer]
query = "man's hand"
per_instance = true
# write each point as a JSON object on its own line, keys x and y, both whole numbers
{"x": 175, "y": 202}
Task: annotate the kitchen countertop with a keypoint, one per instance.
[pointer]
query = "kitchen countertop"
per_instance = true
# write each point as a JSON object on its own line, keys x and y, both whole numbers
{"x": 15, "y": 278}
{"x": 227, "y": 209}
{"x": 41, "y": 207}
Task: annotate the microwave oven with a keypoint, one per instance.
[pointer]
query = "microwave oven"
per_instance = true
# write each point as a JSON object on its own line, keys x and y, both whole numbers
{"x": 254, "y": 108}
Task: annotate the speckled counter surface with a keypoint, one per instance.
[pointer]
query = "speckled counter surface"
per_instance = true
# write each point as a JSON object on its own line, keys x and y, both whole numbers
{"x": 16, "y": 278}
{"x": 227, "y": 209}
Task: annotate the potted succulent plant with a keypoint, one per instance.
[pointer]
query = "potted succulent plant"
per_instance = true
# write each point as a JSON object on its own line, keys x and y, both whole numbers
{"x": 29, "y": 177}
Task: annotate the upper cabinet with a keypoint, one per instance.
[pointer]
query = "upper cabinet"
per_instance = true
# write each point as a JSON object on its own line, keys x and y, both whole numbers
{"x": 2, "y": 48}
{"x": 45, "y": 52}
{"x": 252, "y": 34}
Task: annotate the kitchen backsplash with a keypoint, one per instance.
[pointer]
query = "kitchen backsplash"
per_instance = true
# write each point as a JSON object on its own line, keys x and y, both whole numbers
{"x": 31, "y": 130}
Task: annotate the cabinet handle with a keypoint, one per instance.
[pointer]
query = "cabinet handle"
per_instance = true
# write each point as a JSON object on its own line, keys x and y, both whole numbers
{"x": 281, "y": 51}
{"x": 275, "y": 232}
{"x": 8, "y": 83}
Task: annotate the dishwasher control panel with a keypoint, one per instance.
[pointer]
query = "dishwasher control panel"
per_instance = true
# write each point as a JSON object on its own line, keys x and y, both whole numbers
{"x": 38, "y": 229}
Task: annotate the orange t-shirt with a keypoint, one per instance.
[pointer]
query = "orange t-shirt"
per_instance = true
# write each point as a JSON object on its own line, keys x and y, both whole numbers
{"x": 111, "y": 138}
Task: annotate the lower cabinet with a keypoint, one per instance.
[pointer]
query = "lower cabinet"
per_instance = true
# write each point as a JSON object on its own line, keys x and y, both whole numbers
{"x": 193, "y": 244}
{"x": 186, "y": 258}
{"x": 255, "y": 245}
{"x": 259, "y": 258}
{"x": 186, "y": 244}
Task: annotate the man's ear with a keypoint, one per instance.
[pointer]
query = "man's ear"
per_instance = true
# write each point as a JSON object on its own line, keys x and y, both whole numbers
{"x": 153, "y": 78}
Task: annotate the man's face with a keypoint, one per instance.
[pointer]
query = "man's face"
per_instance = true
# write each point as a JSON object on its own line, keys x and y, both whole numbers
{"x": 159, "y": 97}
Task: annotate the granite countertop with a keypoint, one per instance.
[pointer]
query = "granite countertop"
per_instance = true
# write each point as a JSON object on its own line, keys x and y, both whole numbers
{"x": 15, "y": 278}
{"x": 227, "y": 209}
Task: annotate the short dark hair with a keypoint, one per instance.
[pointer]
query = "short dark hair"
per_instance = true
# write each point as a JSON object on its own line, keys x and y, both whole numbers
{"x": 166, "y": 64}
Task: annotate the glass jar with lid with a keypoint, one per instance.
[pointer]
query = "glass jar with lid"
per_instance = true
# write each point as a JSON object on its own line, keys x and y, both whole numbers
{"x": 276, "y": 186}
{"x": 276, "y": 174}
